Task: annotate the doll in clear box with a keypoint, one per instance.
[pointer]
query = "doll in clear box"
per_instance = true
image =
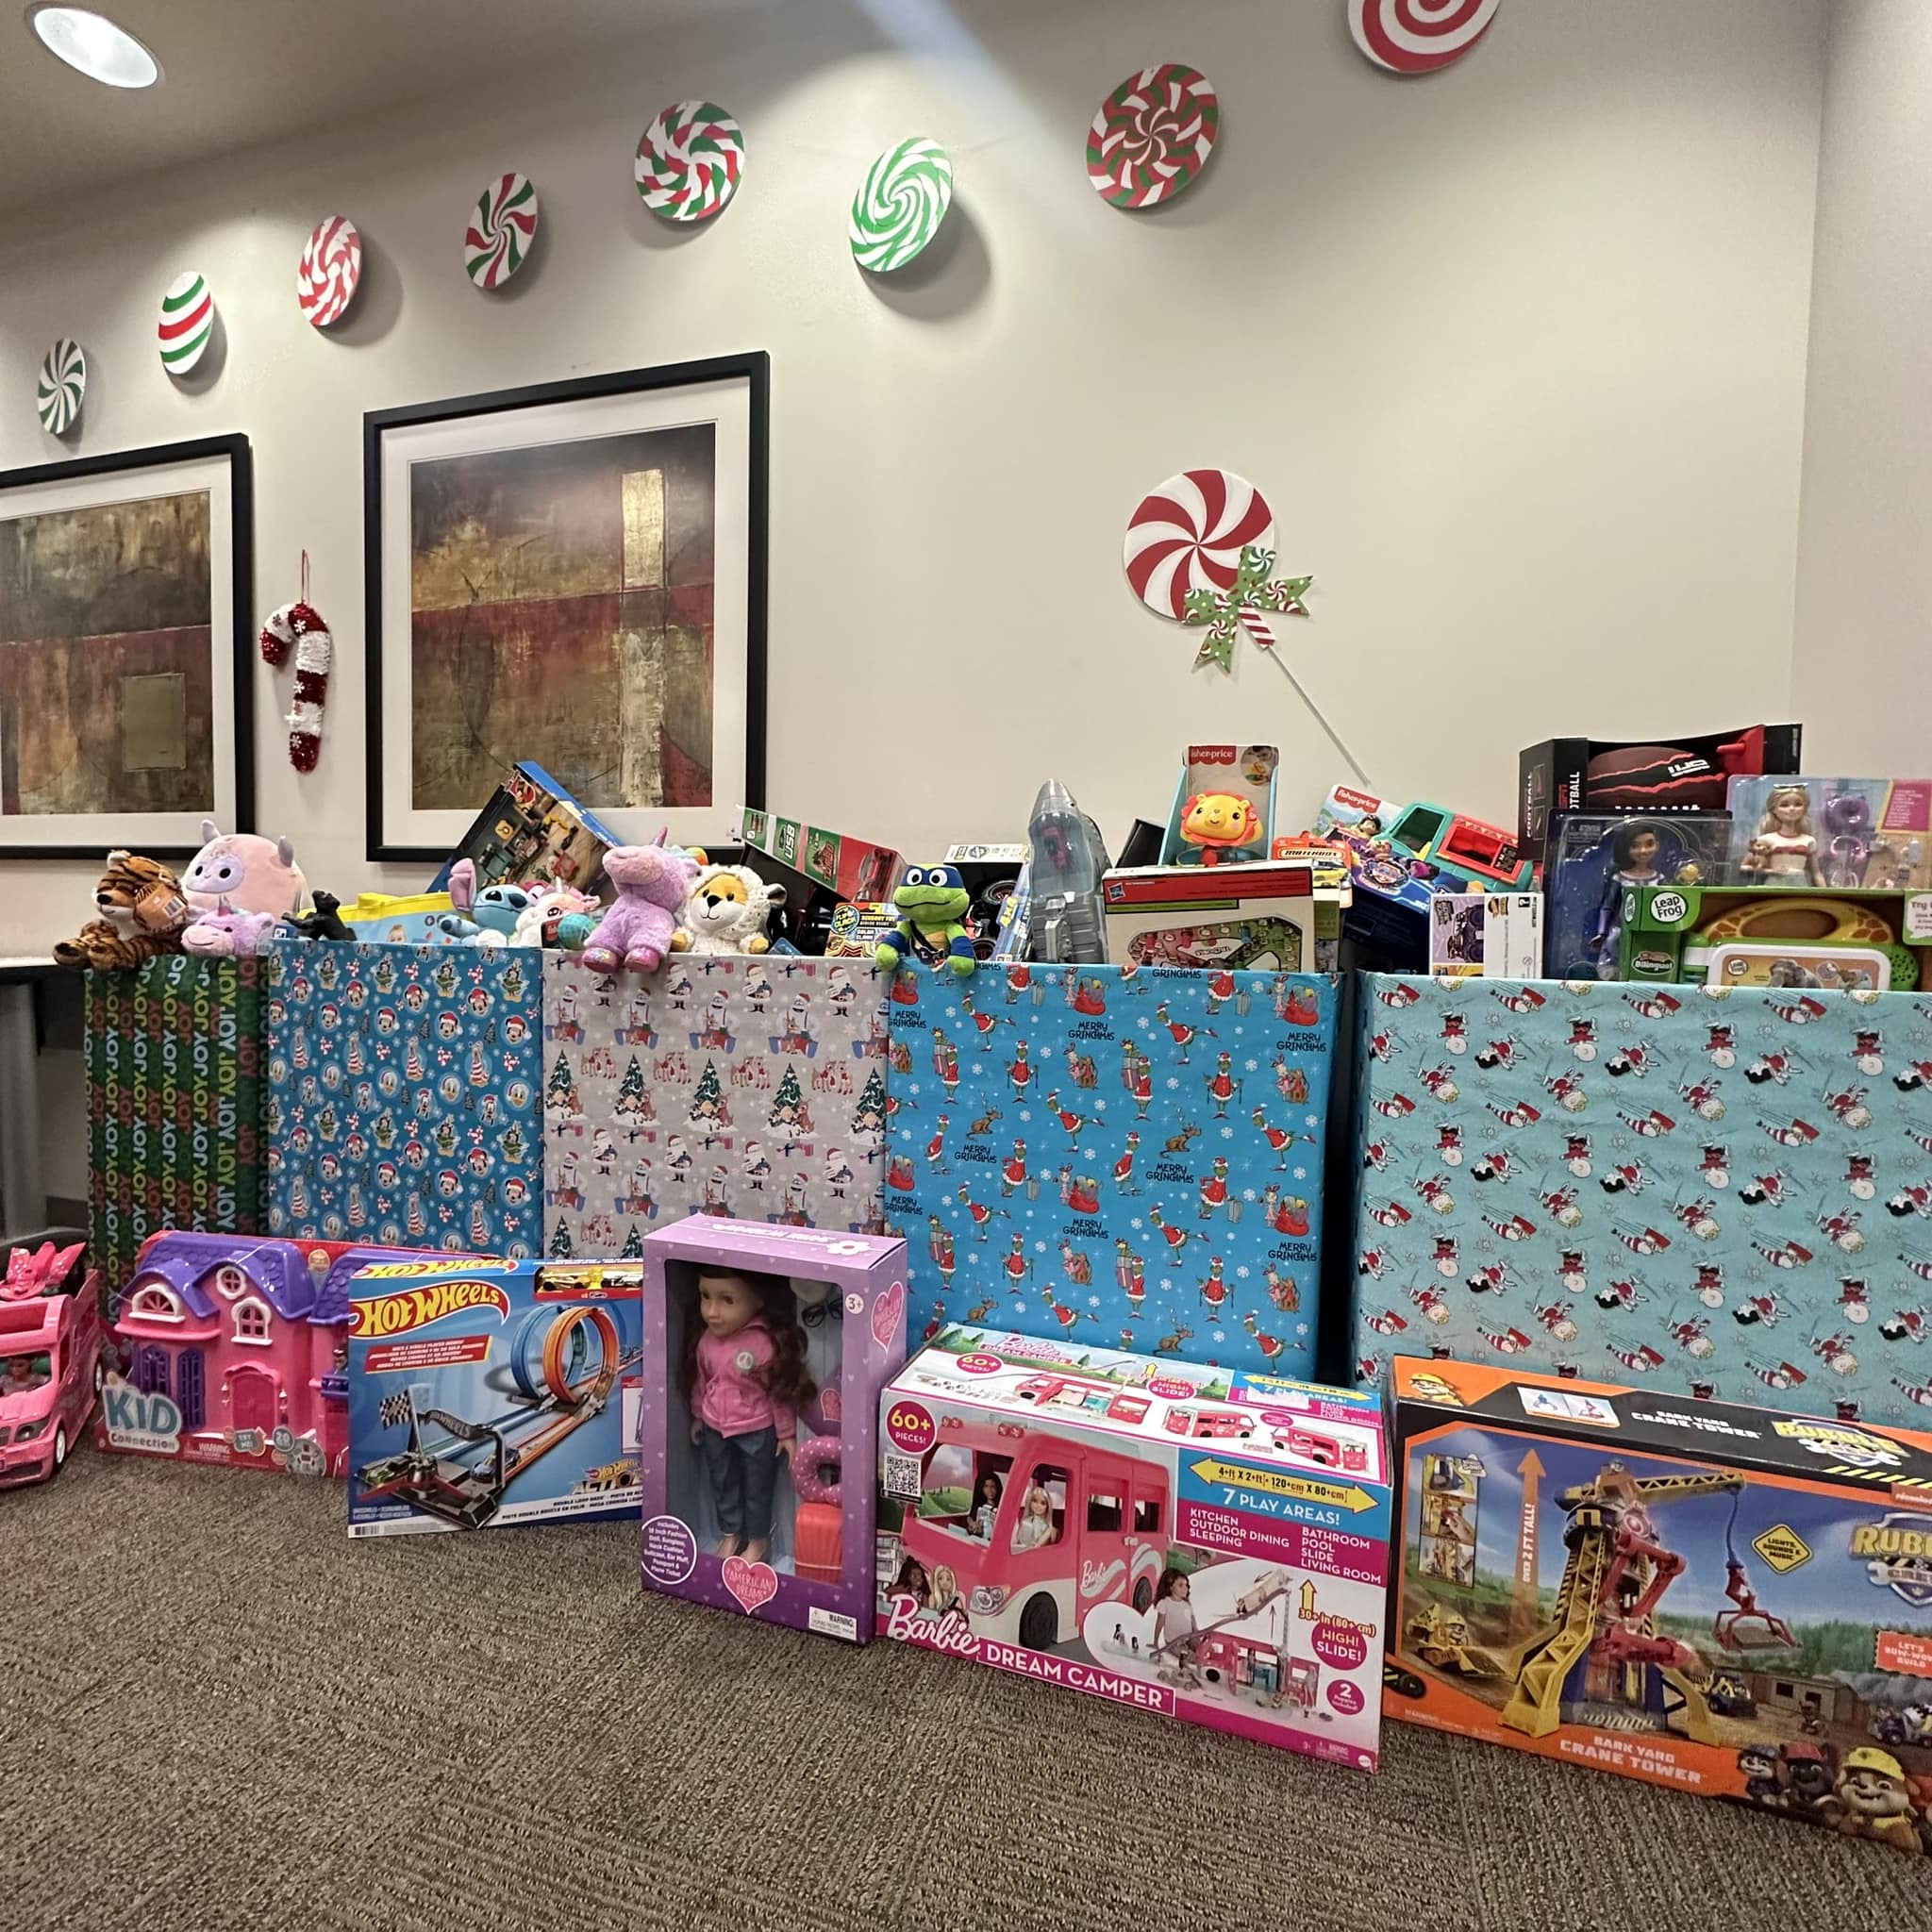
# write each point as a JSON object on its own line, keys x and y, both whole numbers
{"x": 745, "y": 1380}
{"x": 1784, "y": 849}
{"x": 823, "y": 1320}
{"x": 1633, "y": 848}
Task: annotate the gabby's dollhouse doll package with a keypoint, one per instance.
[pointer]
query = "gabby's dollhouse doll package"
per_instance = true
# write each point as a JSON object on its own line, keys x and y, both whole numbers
{"x": 765, "y": 1349}
{"x": 1208, "y": 1544}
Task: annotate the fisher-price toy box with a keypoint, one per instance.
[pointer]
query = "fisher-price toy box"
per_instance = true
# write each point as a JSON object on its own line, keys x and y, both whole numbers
{"x": 1716, "y": 1598}
{"x": 488, "y": 1394}
{"x": 1210, "y": 1545}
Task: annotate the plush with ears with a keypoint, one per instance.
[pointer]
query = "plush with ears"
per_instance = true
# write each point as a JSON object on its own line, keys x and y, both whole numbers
{"x": 142, "y": 911}
{"x": 727, "y": 910}
{"x": 251, "y": 874}
{"x": 650, "y": 881}
{"x": 227, "y": 934}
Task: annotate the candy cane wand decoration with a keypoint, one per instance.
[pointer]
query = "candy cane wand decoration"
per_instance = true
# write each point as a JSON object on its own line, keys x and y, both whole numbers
{"x": 300, "y": 625}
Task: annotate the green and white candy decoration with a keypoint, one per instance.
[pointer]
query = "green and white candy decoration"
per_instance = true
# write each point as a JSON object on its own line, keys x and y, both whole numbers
{"x": 62, "y": 386}
{"x": 187, "y": 322}
{"x": 898, "y": 210}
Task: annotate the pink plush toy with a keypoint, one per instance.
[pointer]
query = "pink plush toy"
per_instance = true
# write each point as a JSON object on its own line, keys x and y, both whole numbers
{"x": 652, "y": 882}
{"x": 249, "y": 873}
{"x": 227, "y": 934}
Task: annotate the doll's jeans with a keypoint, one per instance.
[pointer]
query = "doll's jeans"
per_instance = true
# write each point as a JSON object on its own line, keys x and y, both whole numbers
{"x": 739, "y": 1472}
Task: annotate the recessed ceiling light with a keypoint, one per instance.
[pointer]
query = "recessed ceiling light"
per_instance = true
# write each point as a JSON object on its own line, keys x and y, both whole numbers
{"x": 94, "y": 46}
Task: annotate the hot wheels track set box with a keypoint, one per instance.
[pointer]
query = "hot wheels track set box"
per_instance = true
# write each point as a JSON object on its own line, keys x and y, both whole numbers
{"x": 1208, "y": 1544}
{"x": 1724, "y": 1600}
{"x": 492, "y": 1392}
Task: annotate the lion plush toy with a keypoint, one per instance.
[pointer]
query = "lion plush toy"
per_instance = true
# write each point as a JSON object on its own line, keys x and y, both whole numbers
{"x": 142, "y": 913}
{"x": 727, "y": 911}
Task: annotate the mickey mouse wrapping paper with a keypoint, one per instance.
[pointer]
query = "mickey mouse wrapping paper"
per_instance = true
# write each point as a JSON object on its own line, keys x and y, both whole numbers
{"x": 1719, "y": 1192}
{"x": 1130, "y": 1156}
{"x": 402, "y": 1096}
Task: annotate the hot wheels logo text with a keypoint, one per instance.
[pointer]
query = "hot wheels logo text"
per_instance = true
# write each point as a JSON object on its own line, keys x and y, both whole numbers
{"x": 416, "y": 1307}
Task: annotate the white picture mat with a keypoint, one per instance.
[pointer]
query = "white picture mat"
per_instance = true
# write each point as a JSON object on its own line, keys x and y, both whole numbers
{"x": 726, "y": 404}
{"x": 143, "y": 831}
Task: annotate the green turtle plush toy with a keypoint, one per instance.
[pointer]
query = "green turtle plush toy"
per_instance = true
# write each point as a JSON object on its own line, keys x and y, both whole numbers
{"x": 930, "y": 902}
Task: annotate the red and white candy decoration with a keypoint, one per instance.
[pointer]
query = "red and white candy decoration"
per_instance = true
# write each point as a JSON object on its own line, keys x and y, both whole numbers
{"x": 330, "y": 272}
{"x": 299, "y": 624}
{"x": 1418, "y": 35}
{"x": 1189, "y": 535}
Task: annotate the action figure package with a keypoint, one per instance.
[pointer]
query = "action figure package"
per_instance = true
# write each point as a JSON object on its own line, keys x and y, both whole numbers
{"x": 1596, "y": 856}
{"x": 1724, "y": 1600}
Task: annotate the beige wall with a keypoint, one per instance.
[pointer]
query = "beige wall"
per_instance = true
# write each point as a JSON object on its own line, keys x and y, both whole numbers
{"x": 1859, "y": 675}
{"x": 1517, "y": 352}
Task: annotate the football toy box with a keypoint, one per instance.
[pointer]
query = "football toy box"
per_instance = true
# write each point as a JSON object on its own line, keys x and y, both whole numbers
{"x": 1213, "y": 1546}
{"x": 492, "y": 1392}
{"x": 1719, "y": 1599}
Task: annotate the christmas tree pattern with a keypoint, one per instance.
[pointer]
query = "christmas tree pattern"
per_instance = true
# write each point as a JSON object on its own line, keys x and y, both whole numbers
{"x": 633, "y": 1103}
{"x": 709, "y": 1107}
{"x": 790, "y": 1109}
{"x": 560, "y": 1096}
{"x": 633, "y": 1243}
{"x": 869, "y": 1116}
{"x": 560, "y": 1248}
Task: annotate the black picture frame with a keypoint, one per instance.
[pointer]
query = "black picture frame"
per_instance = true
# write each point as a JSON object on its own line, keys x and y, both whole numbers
{"x": 241, "y": 460}
{"x": 753, "y": 367}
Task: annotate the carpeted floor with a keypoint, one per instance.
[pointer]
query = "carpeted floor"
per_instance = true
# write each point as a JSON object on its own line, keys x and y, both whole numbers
{"x": 215, "y": 1711}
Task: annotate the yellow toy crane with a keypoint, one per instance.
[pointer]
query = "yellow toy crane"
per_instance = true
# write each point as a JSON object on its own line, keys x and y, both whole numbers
{"x": 1607, "y": 1603}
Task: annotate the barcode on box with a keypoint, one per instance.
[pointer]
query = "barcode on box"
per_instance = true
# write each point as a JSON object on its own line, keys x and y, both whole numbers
{"x": 902, "y": 1477}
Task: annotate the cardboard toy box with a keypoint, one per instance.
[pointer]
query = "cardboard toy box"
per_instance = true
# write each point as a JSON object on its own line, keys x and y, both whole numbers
{"x": 1719, "y": 1599}
{"x": 1724, "y": 1196}
{"x": 489, "y": 1393}
{"x": 1486, "y": 935}
{"x": 532, "y": 828}
{"x": 1215, "y": 1545}
{"x": 1262, "y": 915}
{"x": 843, "y": 1298}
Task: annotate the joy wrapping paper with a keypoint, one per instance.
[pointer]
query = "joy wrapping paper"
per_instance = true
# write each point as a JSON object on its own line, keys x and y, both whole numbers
{"x": 1722, "y": 1191}
{"x": 1126, "y": 1156}
{"x": 745, "y": 1087}
{"x": 403, "y": 1095}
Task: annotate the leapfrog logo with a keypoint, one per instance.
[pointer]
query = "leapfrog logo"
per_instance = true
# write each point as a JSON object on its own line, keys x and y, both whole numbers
{"x": 1897, "y": 1553}
{"x": 416, "y": 1307}
{"x": 1842, "y": 1444}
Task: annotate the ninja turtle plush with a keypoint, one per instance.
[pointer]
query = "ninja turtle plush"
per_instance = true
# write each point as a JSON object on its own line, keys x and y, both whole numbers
{"x": 930, "y": 902}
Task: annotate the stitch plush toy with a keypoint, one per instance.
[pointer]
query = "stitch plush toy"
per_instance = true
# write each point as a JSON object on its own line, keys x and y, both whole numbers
{"x": 727, "y": 911}
{"x": 650, "y": 881}
{"x": 249, "y": 873}
{"x": 930, "y": 902}
{"x": 142, "y": 911}
{"x": 228, "y": 934}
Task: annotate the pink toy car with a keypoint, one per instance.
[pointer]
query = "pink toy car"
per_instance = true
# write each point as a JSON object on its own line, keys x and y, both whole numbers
{"x": 51, "y": 1370}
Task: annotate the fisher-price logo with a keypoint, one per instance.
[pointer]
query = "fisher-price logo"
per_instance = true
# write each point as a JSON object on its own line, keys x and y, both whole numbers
{"x": 416, "y": 1307}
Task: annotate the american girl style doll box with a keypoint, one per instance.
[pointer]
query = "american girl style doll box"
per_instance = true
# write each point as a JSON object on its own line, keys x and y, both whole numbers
{"x": 765, "y": 1349}
{"x": 1208, "y": 1544}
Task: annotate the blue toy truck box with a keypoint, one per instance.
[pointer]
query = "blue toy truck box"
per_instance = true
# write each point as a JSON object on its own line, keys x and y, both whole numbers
{"x": 486, "y": 1393}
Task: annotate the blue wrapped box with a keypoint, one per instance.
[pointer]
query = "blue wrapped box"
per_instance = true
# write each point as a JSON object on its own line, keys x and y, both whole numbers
{"x": 1725, "y": 1192}
{"x": 1130, "y": 1158}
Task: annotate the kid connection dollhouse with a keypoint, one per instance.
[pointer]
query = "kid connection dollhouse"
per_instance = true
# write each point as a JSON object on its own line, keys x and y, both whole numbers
{"x": 233, "y": 1351}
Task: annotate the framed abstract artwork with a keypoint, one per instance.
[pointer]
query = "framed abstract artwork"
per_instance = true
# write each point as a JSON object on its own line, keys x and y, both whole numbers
{"x": 127, "y": 643}
{"x": 574, "y": 575}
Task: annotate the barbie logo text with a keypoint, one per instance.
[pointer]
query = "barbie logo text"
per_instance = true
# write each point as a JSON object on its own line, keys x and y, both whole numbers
{"x": 909, "y": 1625}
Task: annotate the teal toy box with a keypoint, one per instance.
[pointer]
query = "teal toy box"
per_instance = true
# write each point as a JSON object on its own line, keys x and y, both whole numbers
{"x": 492, "y": 1392}
{"x": 1124, "y": 1157}
{"x": 1722, "y": 1192}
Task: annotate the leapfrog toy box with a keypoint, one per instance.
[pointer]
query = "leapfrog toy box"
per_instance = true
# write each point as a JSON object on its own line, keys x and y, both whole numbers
{"x": 492, "y": 1392}
{"x": 1721, "y": 1599}
{"x": 1210, "y": 1545}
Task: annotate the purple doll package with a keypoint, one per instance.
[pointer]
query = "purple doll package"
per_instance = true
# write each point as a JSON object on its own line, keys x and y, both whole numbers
{"x": 765, "y": 1349}
{"x": 1597, "y": 857}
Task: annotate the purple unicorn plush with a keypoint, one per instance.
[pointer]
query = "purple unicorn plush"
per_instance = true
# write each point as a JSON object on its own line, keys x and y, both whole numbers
{"x": 228, "y": 934}
{"x": 652, "y": 883}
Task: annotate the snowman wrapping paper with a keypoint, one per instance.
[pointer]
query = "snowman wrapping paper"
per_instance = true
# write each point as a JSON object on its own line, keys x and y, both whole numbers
{"x": 1724, "y": 1192}
{"x": 401, "y": 1104}
{"x": 745, "y": 1086}
{"x": 1126, "y": 1157}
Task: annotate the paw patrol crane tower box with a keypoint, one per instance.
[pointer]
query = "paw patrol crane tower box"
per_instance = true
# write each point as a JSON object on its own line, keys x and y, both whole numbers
{"x": 492, "y": 1392}
{"x": 1722, "y": 1599}
{"x": 1209, "y": 1545}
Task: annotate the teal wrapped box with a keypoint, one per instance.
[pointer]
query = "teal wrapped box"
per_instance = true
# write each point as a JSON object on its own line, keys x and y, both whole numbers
{"x": 1126, "y": 1157}
{"x": 1719, "y": 1192}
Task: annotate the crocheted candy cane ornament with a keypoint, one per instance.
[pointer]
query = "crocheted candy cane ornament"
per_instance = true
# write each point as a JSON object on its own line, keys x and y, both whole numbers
{"x": 300, "y": 625}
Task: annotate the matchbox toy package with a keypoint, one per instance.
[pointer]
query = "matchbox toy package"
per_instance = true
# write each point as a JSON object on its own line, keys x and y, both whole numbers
{"x": 1207, "y": 1545}
{"x": 492, "y": 1392}
{"x": 1724, "y": 1600}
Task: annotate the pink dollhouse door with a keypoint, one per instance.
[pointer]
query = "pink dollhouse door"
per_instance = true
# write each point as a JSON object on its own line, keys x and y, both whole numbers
{"x": 252, "y": 1400}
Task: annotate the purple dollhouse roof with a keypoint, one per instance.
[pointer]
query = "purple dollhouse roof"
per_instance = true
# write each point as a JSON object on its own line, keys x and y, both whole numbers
{"x": 278, "y": 1268}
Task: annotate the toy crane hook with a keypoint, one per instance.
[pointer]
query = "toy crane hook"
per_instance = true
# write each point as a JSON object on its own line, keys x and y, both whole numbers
{"x": 1730, "y": 1629}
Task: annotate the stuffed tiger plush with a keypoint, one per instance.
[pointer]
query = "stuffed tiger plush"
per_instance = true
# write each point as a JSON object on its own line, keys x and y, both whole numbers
{"x": 142, "y": 913}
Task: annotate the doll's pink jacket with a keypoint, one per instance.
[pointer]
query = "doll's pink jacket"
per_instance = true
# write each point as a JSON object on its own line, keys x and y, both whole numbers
{"x": 726, "y": 1394}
